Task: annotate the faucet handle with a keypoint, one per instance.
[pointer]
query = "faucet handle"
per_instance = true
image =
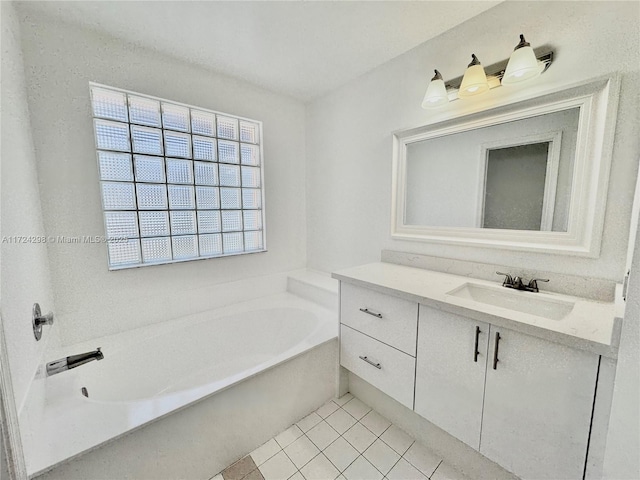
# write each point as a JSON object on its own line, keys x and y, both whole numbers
{"x": 38, "y": 320}
{"x": 533, "y": 283}
{"x": 508, "y": 280}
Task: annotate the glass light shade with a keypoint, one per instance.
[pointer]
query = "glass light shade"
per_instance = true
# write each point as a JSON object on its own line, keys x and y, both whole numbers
{"x": 436, "y": 94}
{"x": 474, "y": 82}
{"x": 523, "y": 65}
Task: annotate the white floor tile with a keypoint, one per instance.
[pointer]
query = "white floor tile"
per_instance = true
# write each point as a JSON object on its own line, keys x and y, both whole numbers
{"x": 341, "y": 477}
{"x": 343, "y": 399}
{"x": 361, "y": 469}
{"x": 341, "y": 453}
{"x": 356, "y": 408}
{"x": 403, "y": 470}
{"x": 309, "y": 422}
{"x": 422, "y": 458}
{"x": 447, "y": 472}
{"x": 341, "y": 421}
{"x": 301, "y": 451}
{"x": 278, "y": 467}
{"x": 397, "y": 439}
{"x": 297, "y": 476}
{"x": 265, "y": 451}
{"x": 381, "y": 456}
{"x": 288, "y": 436}
{"x": 359, "y": 437}
{"x": 375, "y": 422}
{"x": 327, "y": 409}
{"x": 322, "y": 435}
{"x": 320, "y": 468}
{"x": 217, "y": 477}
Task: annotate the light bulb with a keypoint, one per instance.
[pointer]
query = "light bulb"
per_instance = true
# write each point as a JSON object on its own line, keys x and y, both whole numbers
{"x": 436, "y": 94}
{"x": 474, "y": 81}
{"x": 523, "y": 64}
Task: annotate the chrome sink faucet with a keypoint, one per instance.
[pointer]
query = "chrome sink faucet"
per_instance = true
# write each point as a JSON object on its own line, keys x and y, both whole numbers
{"x": 517, "y": 284}
{"x": 73, "y": 361}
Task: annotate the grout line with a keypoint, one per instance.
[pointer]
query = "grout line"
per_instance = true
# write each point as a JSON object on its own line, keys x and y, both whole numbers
{"x": 434, "y": 472}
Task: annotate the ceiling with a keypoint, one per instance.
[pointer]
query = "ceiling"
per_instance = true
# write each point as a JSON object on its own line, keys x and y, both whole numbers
{"x": 302, "y": 49}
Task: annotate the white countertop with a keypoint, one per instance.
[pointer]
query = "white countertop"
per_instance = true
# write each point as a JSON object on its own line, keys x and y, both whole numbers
{"x": 592, "y": 326}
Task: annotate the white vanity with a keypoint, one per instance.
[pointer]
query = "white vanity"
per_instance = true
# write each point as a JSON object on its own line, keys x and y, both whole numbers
{"x": 512, "y": 374}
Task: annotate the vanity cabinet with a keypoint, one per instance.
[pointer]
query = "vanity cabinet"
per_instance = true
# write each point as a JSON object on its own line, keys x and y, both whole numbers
{"x": 501, "y": 372}
{"x": 523, "y": 402}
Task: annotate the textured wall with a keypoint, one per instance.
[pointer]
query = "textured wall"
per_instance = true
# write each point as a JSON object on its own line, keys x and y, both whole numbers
{"x": 24, "y": 270}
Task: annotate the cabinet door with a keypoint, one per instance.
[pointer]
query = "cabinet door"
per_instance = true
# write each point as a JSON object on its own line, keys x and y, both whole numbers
{"x": 449, "y": 373}
{"x": 537, "y": 406}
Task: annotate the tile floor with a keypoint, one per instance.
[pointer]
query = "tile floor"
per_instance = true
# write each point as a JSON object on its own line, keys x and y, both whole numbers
{"x": 345, "y": 440}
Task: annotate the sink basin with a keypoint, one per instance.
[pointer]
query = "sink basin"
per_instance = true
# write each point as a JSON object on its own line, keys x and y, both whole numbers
{"x": 519, "y": 301}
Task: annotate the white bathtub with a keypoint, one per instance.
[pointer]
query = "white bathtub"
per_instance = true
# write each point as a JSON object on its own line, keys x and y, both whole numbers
{"x": 153, "y": 371}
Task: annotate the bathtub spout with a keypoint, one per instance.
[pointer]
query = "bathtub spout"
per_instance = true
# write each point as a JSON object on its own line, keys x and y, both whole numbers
{"x": 73, "y": 361}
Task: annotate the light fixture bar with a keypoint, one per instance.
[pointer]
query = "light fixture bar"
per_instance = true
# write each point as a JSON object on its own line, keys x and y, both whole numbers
{"x": 496, "y": 71}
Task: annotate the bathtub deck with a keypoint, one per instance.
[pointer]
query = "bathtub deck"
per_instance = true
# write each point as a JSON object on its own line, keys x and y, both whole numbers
{"x": 343, "y": 439}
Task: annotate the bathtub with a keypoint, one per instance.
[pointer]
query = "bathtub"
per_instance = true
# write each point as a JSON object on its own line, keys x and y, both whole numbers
{"x": 155, "y": 371}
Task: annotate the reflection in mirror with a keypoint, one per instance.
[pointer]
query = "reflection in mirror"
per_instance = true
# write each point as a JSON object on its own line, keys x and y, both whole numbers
{"x": 515, "y": 175}
{"x": 514, "y": 187}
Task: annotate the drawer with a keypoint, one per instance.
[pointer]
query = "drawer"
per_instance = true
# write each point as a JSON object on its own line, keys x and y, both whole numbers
{"x": 391, "y": 320}
{"x": 396, "y": 373}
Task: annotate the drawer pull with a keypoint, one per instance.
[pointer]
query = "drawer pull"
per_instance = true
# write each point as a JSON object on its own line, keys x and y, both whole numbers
{"x": 377, "y": 365}
{"x": 475, "y": 349}
{"x": 495, "y": 352}
{"x": 366, "y": 310}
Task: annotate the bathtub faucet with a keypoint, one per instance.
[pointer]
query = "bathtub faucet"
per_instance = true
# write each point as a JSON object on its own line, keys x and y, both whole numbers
{"x": 67, "y": 363}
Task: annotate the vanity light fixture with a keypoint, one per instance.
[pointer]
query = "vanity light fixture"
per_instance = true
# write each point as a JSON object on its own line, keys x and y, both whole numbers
{"x": 474, "y": 81}
{"x": 523, "y": 64}
{"x": 436, "y": 94}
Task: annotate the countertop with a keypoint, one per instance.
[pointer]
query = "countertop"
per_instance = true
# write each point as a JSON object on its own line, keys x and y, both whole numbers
{"x": 591, "y": 325}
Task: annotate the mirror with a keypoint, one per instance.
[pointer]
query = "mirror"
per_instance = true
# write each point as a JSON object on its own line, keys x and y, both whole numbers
{"x": 527, "y": 176}
{"x": 515, "y": 175}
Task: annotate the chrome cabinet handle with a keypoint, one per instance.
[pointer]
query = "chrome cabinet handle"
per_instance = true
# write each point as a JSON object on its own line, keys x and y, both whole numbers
{"x": 377, "y": 365}
{"x": 366, "y": 310}
{"x": 475, "y": 348}
{"x": 495, "y": 352}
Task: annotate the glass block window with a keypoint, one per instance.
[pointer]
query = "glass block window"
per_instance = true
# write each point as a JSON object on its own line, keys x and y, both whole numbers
{"x": 177, "y": 182}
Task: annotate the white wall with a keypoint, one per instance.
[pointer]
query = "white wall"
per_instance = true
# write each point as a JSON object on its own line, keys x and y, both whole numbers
{"x": 24, "y": 269}
{"x": 91, "y": 301}
{"x": 623, "y": 439}
{"x": 349, "y": 142}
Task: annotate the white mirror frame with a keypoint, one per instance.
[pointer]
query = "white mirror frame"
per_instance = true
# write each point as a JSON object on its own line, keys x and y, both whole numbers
{"x": 597, "y": 101}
